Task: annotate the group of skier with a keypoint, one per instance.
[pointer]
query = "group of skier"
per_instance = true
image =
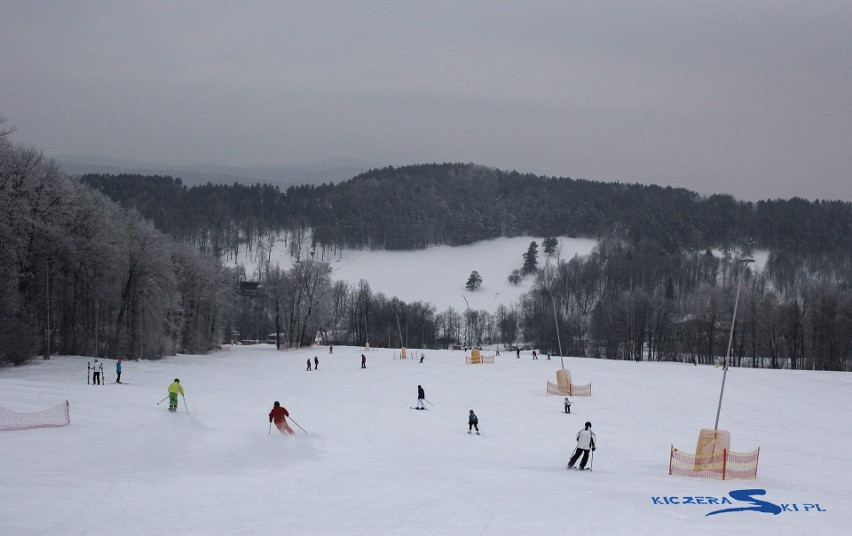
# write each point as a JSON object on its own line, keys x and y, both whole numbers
{"x": 585, "y": 437}
{"x": 278, "y": 415}
{"x": 97, "y": 372}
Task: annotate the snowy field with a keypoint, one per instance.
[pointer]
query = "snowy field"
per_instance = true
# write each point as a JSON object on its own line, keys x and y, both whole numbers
{"x": 369, "y": 465}
{"x": 439, "y": 272}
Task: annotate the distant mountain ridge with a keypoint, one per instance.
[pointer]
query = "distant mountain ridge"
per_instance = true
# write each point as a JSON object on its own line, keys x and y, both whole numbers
{"x": 413, "y": 207}
{"x": 324, "y": 171}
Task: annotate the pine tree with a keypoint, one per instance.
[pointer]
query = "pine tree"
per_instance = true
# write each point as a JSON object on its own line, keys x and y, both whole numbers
{"x": 474, "y": 281}
{"x": 550, "y": 244}
{"x": 530, "y": 259}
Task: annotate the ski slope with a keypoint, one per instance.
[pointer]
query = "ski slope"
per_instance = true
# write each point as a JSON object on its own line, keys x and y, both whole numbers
{"x": 369, "y": 465}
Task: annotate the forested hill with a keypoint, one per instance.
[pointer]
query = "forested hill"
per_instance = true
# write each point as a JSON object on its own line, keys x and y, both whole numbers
{"x": 416, "y": 206}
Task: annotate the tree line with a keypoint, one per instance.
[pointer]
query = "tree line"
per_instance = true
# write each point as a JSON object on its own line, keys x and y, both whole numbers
{"x": 414, "y": 207}
{"x": 131, "y": 266}
{"x": 81, "y": 275}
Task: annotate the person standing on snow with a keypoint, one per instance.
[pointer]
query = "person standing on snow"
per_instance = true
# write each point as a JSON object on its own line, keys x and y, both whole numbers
{"x": 174, "y": 389}
{"x": 472, "y": 422}
{"x": 363, "y": 361}
{"x": 585, "y": 442}
{"x": 97, "y": 370}
{"x": 278, "y": 416}
{"x": 316, "y": 363}
{"x": 118, "y": 371}
{"x": 309, "y": 364}
{"x": 421, "y": 396}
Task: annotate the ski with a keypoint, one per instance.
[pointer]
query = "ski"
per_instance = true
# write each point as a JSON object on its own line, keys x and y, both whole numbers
{"x": 421, "y": 409}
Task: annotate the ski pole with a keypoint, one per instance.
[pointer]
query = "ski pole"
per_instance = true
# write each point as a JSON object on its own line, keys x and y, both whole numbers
{"x": 297, "y": 424}
{"x": 592, "y": 461}
{"x": 427, "y": 400}
{"x": 184, "y": 404}
{"x": 163, "y": 400}
{"x": 270, "y": 427}
{"x": 572, "y": 456}
{"x": 88, "y": 368}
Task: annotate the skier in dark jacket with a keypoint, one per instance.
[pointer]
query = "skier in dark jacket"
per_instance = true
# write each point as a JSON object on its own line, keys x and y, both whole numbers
{"x": 421, "y": 396}
{"x": 472, "y": 422}
{"x": 363, "y": 361}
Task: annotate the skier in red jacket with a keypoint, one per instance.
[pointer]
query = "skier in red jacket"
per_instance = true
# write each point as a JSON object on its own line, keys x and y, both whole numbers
{"x": 277, "y": 415}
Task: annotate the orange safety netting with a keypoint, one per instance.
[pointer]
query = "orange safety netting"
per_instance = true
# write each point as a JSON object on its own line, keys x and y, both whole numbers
{"x": 476, "y": 358}
{"x": 569, "y": 390}
{"x": 724, "y": 465}
{"x": 56, "y": 416}
{"x": 564, "y": 387}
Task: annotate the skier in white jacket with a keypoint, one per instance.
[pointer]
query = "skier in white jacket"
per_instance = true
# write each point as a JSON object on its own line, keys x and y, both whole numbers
{"x": 585, "y": 443}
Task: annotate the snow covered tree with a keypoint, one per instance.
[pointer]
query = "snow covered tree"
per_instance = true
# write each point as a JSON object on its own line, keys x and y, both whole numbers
{"x": 550, "y": 244}
{"x": 474, "y": 281}
{"x": 530, "y": 259}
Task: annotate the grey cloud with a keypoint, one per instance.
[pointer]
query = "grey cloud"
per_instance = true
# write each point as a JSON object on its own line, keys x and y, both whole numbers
{"x": 745, "y": 98}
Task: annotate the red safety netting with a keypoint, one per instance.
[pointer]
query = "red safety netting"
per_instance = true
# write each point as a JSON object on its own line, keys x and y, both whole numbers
{"x": 724, "y": 465}
{"x": 59, "y": 415}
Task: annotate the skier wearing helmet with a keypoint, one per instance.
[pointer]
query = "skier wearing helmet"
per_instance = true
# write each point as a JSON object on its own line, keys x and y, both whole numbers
{"x": 174, "y": 389}
{"x": 472, "y": 422}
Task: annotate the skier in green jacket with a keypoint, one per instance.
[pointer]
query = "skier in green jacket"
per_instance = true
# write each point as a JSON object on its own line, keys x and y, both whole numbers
{"x": 174, "y": 389}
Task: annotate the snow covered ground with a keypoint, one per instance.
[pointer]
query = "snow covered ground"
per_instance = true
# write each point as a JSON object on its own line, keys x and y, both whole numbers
{"x": 438, "y": 274}
{"x": 369, "y": 465}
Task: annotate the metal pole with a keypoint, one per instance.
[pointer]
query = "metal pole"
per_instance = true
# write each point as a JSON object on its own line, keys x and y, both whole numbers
{"x": 555, "y": 320}
{"x": 466, "y": 322}
{"x": 47, "y": 277}
{"x": 730, "y": 341}
{"x": 141, "y": 294}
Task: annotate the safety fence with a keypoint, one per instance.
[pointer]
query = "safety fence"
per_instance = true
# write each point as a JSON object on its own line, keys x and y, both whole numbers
{"x": 479, "y": 359}
{"x": 59, "y": 415}
{"x": 569, "y": 389}
{"x": 724, "y": 465}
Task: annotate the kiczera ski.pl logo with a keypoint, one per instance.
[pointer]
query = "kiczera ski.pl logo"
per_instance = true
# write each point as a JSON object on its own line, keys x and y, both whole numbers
{"x": 738, "y": 500}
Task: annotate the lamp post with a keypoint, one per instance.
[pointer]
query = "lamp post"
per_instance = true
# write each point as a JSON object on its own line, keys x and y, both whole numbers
{"x": 555, "y": 319}
{"x": 141, "y": 294}
{"x": 730, "y": 339}
{"x": 47, "y": 330}
{"x": 466, "y": 322}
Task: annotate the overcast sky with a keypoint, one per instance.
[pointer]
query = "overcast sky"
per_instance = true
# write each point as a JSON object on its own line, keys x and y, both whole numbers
{"x": 750, "y": 98}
